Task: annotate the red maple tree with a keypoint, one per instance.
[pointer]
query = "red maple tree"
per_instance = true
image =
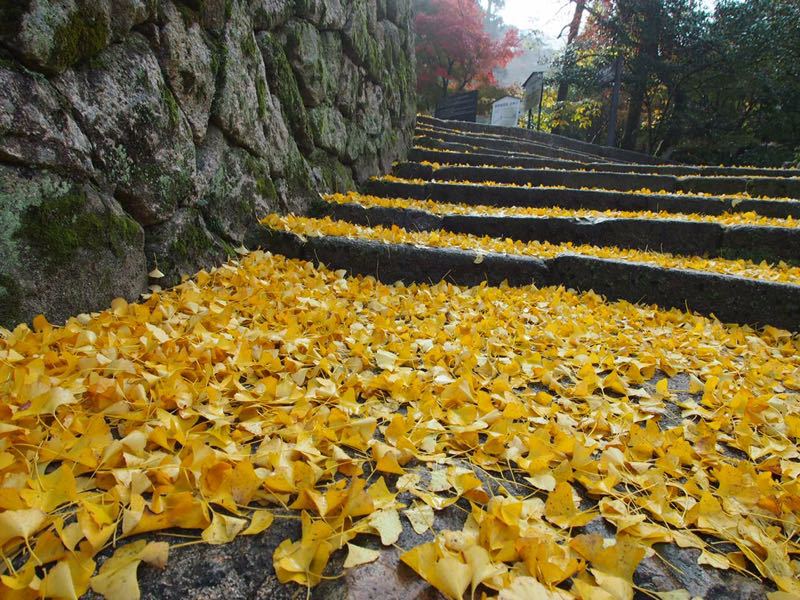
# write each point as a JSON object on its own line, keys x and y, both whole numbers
{"x": 454, "y": 50}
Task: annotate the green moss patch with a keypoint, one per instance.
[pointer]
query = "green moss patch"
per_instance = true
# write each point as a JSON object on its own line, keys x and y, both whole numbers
{"x": 171, "y": 103}
{"x": 284, "y": 85}
{"x": 58, "y": 228}
{"x": 10, "y": 301}
{"x": 83, "y": 35}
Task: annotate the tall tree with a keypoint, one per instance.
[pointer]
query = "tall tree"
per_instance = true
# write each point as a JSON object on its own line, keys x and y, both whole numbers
{"x": 572, "y": 34}
{"x": 454, "y": 49}
{"x": 716, "y": 87}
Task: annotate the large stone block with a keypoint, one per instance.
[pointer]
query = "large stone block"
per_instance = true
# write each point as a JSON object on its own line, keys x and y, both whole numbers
{"x": 329, "y": 129}
{"x": 212, "y": 13}
{"x": 243, "y": 100}
{"x": 50, "y": 36}
{"x": 269, "y": 14}
{"x": 285, "y": 88}
{"x": 237, "y": 189}
{"x": 66, "y": 248}
{"x": 53, "y": 35}
{"x": 182, "y": 246}
{"x": 141, "y": 138}
{"x": 359, "y": 37}
{"x": 327, "y": 14}
{"x": 37, "y": 129}
{"x": 187, "y": 61}
{"x": 310, "y": 53}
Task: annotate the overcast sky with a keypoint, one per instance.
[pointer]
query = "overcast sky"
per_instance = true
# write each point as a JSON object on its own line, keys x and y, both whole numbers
{"x": 548, "y": 16}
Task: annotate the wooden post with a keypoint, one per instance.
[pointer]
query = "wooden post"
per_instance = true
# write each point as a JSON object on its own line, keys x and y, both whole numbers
{"x": 611, "y": 140}
{"x": 541, "y": 98}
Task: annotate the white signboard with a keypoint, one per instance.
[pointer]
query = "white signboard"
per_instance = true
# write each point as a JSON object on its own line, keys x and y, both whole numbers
{"x": 505, "y": 112}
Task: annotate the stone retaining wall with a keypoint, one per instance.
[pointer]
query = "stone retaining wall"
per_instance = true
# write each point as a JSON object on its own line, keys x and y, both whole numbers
{"x": 143, "y": 133}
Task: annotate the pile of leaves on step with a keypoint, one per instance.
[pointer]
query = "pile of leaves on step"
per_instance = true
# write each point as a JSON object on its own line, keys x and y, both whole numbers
{"x": 271, "y": 389}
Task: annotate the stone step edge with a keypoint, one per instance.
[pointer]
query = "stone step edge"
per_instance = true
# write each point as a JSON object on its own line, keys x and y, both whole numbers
{"x": 774, "y": 187}
{"x": 457, "y": 147}
{"x": 677, "y": 236}
{"x": 571, "y": 198}
{"x": 419, "y": 154}
{"x": 508, "y": 141}
{"x": 512, "y": 147}
{"x": 730, "y": 299}
{"x": 528, "y": 134}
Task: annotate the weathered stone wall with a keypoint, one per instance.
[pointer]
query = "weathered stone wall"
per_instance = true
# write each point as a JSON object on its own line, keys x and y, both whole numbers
{"x": 136, "y": 133}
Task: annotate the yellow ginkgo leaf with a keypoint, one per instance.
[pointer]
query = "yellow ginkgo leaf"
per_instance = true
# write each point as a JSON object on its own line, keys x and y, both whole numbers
{"x": 358, "y": 555}
{"x": 260, "y": 521}
{"x": 561, "y": 508}
{"x": 223, "y": 529}
{"x": 421, "y": 517}
{"x": 117, "y": 579}
{"x": 387, "y": 523}
{"x": 20, "y": 523}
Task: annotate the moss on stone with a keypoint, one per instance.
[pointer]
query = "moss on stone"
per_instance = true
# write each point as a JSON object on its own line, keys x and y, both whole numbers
{"x": 59, "y": 227}
{"x": 171, "y": 103}
{"x": 284, "y": 85}
{"x": 219, "y": 54}
{"x": 11, "y": 13}
{"x": 261, "y": 92}
{"x": 249, "y": 48}
{"x": 266, "y": 189}
{"x": 192, "y": 242}
{"x": 189, "y": 13}
{"x": 10, "y": 301}
{"x": 8, "y": 63}
{"x": 296, "y": 174}
{"x": 83, "y": 35}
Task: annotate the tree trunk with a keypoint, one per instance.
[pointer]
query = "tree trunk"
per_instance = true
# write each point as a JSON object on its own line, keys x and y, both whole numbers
{"x": 574, "y": 28}
{"x": 633, "y": 120}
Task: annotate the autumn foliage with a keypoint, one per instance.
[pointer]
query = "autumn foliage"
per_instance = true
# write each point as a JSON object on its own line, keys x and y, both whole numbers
{"x": 454, "y": 50}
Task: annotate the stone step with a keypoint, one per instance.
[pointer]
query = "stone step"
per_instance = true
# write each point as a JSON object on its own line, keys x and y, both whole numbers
{"x": 676, "y": 236}
{"x": 419, "y": 154}
{"x": 731, "y": 299}
{"x": 615, "y": 154}
{"x": 770, "y": 187}
{"x": 502, "y": 195}
{"x": 422, "y": 129}
{"x": 459, "y": 148}
{"x": 495, "y": 144}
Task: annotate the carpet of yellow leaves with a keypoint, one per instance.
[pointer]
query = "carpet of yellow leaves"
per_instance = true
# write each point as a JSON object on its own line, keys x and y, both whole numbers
{"x": 306, "y": 226}
{"x": 445, "y": 208}
{"x": 270, "y": 383}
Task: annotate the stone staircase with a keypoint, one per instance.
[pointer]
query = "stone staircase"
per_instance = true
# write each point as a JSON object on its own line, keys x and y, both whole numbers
{"x": 677, "y": 435}
{"x": 720, "y": 241}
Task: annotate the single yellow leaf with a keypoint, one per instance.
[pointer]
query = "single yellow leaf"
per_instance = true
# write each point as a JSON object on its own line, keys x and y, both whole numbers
{"x": 387, "y": 523}
{"x": 561, "y": 508}
{"x": 421, "y": 517}
{"x": 223, "y": 529}
{"x": 117, "y": 580}
{"x": 357, "y": 555}
{"x": 20, "y": 523}
{"x": 260, "y": 520}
